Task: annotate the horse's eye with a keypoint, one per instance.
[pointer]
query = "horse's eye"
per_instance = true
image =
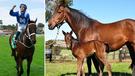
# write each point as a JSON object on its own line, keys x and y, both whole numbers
{"x": 59, "y": 11}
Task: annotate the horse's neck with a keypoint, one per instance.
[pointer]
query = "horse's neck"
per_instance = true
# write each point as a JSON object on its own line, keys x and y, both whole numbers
{"x": 74, "y": 43}
{"x": 72, "y": 24}
{"x": 23, "y": 37}
{"x": 77, "y": 26}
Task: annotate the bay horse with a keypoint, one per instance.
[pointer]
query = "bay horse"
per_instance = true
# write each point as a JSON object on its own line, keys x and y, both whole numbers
{"x": 24, "y": 47}
{"x": 114, "y": 34}
{"x": 81, "y": 50}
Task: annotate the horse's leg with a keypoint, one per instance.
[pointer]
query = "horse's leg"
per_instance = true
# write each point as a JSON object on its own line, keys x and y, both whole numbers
{"x": 131, "y": 48}
{"x": 79, "y": 66}
{"x": 15, "y": 57}
{"x": 22, "y": 67}
{"x": 106, "y": 63}
{"x": 29, "y": 60}
{"x": 19, "y": 64}
{"x": 102, "y": 57}
{"x": 96, "y": 64}
{"x": 83, "y": 72}
{"x": 89, "y": 63}
{"x": 108, "y": 66}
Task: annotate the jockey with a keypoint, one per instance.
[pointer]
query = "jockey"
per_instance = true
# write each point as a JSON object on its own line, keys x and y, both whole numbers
{"x": 22, "y": 18}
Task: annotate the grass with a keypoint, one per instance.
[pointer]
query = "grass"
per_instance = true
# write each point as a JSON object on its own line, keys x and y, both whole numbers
{"x": 69, "y": 69}
{"x": 60, "y": 68}
{"x": 7, "y": 63}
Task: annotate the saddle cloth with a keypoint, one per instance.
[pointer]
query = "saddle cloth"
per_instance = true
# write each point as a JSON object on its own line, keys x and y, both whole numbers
{"x": 13, "y": 43}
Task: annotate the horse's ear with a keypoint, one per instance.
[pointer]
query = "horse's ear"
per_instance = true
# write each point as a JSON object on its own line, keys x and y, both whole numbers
{"x": 63, "y": 32}
{"x": 35, "y": 20}
{"x": 71, "y": 32}
{"x": 62, "y": 2}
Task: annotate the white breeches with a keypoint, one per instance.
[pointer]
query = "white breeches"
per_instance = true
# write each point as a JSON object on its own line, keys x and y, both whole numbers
{"x": 21, "y": 27}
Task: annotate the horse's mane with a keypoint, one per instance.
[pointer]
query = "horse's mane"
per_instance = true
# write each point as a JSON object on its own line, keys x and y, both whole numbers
{"x": 81, "y": 18}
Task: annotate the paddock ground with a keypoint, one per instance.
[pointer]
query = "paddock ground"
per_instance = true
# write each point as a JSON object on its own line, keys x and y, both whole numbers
{"x": 65, "y": 65}
{"x": 57, "y": 68}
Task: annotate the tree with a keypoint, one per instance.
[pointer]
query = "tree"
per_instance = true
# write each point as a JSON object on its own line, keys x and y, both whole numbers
{"x": 1, "y": 22}
{"x": 51, "y": 4}
{"x": 41, "y": 25}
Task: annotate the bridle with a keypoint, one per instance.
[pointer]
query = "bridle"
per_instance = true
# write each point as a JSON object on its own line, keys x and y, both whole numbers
{"x": 28, "y": 35}
{"x": 59, "y": 24}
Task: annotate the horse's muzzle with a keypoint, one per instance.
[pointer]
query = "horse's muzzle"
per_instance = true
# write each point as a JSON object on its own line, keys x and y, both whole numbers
{"x": 50, "y": 28}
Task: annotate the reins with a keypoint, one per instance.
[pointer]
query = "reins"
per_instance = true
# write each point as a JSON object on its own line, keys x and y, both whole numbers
{"x": 55, "y": 37}
{"x": 26, "y": 45}
{"x": 27, "y": 36}
{"x": 58, "y": 27}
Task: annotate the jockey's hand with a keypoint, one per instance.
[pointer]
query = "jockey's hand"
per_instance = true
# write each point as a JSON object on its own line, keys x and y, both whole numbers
{"x": 13, "y": 7}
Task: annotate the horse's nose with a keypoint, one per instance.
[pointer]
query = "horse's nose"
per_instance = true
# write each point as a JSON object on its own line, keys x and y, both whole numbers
{"x": 50, "y": 27}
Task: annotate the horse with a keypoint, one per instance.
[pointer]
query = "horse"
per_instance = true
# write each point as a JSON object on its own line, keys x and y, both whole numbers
{"x": 24, "y": 47}
{"x": 115, "y": 34}
{"x": 81, "y": 50}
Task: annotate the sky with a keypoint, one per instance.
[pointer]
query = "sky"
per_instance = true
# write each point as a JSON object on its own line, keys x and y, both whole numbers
{"x": 105, "y": 11}
{"x": 36, "y": 9}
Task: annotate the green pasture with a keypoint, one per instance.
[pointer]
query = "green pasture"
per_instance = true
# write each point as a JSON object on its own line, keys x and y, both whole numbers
{"x": 68, "y": 68}
{"x": 7, "y": 63}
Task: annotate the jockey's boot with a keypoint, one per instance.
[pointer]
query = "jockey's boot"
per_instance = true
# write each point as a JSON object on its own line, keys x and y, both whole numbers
{"x": 14, "y": 43}
{"x": 17, "y": 35}
{"x": 16, "y": 38}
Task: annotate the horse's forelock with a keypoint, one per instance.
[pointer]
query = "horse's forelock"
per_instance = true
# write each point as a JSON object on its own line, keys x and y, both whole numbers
{"x": 31, "y": 25}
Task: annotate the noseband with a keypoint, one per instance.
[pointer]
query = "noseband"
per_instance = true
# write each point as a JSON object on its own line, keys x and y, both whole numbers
{"x": 61, "y": 22}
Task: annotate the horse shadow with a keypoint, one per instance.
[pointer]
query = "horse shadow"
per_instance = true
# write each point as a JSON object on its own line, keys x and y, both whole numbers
{"x": 104, "y": 74}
